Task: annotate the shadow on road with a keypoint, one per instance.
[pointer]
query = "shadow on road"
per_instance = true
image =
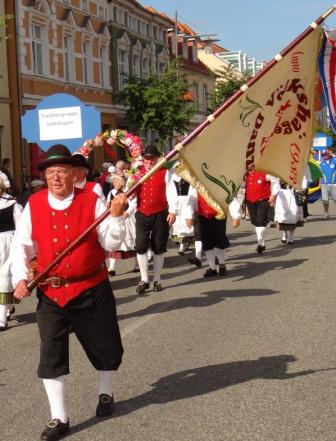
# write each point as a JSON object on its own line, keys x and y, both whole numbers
{"x": 205, "y": 299}
{"x": 204, "y": 380}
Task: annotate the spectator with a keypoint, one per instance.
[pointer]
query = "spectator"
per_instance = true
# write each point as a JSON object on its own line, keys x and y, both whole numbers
{"x": 328, "y": 182}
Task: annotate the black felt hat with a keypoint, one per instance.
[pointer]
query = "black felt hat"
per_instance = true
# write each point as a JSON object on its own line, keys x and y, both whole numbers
{"x": 151, "y": 151}
{"x": 80, "y": 161}
{"x": 56, "y": 154}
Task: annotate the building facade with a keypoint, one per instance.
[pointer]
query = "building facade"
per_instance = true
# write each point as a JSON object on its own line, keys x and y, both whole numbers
{"x": 138, "y": 44}
{"x": 64, "y": 47}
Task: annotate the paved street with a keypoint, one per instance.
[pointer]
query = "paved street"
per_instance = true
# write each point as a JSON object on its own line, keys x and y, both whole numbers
{"x": 248, "y": 357}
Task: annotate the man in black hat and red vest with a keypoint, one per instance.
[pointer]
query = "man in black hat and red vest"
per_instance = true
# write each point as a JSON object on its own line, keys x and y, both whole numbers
{"x": 261, "y": 190}
{"x": 81, "y": 171}
{"x": 156, "y": 212}
{"x": 77, "y": 291}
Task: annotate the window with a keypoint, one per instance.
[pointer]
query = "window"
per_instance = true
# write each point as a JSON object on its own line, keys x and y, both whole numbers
{"x": 125, "y": 18}
{"x": 161, "y": 67}
{"x": 122, "y": 67}
{"x": 145, "y": 68}
{"x": 205, "y": 98}
{"x": 85, "y": 4}
{"x": 37, "y": 49}
{"x": 195, "y": 94}
{"x": 136, "y": 65}
{"x": 102, "y": 51}
{"x": 139, "y": 26}
{"x": 66, "y": 58}
{"x": 115, "y": 13}
{"x": 155, "y": 32}
{"x": 85, "y": 63}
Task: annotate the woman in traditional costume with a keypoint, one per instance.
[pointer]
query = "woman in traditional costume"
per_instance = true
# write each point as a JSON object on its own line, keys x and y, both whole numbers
{"x": 10, "y": 212}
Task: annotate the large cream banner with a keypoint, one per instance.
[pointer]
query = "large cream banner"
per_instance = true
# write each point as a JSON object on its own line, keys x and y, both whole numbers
{"x": 269, "y": 128}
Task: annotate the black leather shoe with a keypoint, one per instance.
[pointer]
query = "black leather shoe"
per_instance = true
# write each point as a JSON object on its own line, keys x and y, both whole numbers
{"x": 55, "y": 430}
{"x": 260, "y": 248}
{"x": 10, "y": 312}
{"x": 157, "y": 286}
{"x": 3, "y": 327}
{"x": 141, "y": 288}
{"x": 222, "y": 269}
{"x": 112, "y": 273}
{"x": 105, "y": 406}
{"x": 195, "y": 261}
{"x": 210, "y": 273}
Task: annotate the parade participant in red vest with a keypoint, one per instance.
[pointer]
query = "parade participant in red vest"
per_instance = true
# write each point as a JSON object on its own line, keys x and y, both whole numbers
{"x": 260, "y": 194}
{"x": 156, "y": 212}
{"x": 213, "y": 233}
{"x": 82, "y": 169}
{"x": 77, "y": 291}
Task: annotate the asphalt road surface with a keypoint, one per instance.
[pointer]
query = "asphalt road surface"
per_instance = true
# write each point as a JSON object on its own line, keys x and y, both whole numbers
{"x": 246, "y": 357}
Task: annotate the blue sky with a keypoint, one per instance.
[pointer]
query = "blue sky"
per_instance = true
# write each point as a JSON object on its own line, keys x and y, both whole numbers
{"x": 260, "y": 28}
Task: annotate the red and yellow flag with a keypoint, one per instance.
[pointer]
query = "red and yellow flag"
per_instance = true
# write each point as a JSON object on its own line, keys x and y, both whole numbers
{"x": 269, "y": 127}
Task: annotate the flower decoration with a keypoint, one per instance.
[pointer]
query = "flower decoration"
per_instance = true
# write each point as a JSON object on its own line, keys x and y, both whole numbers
{"x": 121, "y": 138}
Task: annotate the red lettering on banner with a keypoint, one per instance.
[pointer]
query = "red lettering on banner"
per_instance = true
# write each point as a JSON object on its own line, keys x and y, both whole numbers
{"x": 296, "y": 61}
{"x": 294, "y": 161}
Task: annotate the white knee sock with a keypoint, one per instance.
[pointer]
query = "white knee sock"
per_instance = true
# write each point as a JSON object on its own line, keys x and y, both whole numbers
{"x": 110, "y": 263}
{"x": 221, "y": 254}
{"x": 3, "y": 315}
{"x": 198, "y": 249}
{"x": 55, "y": 392}
{"x": 284, "y": 235}
{"x": 291, "y": 235}
{"x": 158, "y": 260}
{"x": 211, "y": 255}
{"x": 182, "y": 247}
{"x": 260, "y": 231}
{"x": 136, "y": 265}
{"x": 105, "y": 383}
{"x": 149, "y": 253}
{"x": 143, "y": 265}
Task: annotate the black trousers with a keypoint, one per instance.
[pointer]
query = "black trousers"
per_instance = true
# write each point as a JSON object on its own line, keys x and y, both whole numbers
{"x": 213, "y": 233}
{"x": 259, "y": 212}
{"x": 93, "y": 318}
{"x": 151, "y": 230}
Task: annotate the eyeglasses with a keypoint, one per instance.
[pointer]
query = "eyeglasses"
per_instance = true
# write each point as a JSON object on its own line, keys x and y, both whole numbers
{"x": 62, "y": 172}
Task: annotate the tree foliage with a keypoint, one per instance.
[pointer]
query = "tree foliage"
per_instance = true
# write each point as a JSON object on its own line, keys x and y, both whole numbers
{"x": 229, "y": 80}
{"x": 158, "y": 103}
{"x": 3, "y": 25}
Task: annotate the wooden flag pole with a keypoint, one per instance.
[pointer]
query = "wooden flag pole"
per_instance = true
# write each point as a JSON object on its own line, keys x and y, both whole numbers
{"x": 31, "y": 285}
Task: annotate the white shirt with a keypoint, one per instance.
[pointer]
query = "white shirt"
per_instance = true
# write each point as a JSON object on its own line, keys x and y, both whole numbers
{"x": 96, "y": 189}
{"x": 111, "y": 233}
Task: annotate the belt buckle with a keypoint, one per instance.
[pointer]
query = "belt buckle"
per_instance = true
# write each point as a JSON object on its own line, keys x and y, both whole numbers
{"x": 55, "y": 282}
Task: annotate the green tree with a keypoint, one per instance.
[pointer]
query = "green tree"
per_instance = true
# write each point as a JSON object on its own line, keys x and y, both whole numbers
{"x": 3, "y": 26}
{"x": 229, "y": 80}
{"x": 158, "y": 103}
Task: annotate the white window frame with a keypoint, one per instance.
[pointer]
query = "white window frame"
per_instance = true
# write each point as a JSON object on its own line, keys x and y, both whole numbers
{"x": 37, "y": 49}
{"x": 87, "y": 62}
{"x": 123, "y": 67}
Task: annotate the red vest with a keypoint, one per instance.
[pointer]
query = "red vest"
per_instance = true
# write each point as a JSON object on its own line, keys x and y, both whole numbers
{"x": 89, "y": 185}
{"x": 204, "y": 208}
{"x": 257, "y": 188}
{"x": 53, "y": 230}
{"x": 151, "y": 196}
